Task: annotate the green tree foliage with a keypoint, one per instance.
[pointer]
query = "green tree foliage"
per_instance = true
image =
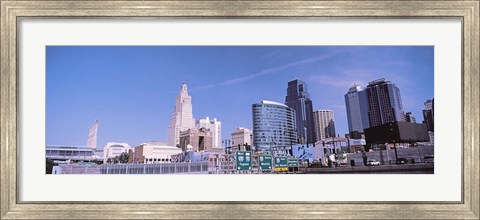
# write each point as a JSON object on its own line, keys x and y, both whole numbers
{"x": 122, "y": 158}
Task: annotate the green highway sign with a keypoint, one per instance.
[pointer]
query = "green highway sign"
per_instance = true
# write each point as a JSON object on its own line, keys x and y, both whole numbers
{"x": 265, "y": 162}
{"x": 244, "y": 160}
{"x": 281, "y": 164}
{"x": 292, "y": 162}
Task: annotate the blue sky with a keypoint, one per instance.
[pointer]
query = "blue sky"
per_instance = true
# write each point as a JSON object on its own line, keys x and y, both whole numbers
{"x": 132, "y": 89}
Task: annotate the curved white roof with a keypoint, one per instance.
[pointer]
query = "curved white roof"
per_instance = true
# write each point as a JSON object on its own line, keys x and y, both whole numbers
{"x": 273, "y": 103}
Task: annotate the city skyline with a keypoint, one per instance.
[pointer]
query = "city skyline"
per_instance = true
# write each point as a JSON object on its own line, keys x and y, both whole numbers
{"x": 132, "y": 90}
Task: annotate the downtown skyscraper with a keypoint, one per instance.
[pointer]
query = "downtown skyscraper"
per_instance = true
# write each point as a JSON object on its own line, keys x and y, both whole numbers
{"x": 384, "y": 103}
{"x": 428, "y": 115}
{"x": 298, "y": 99}
{"x": 428, "y": 119}
{"x": 324, "y": 124}
{"x": 356, "y": 104}
{"x": 182, "y": 117}
{"x": 273, "y": 125}
{"x": 410, "y": 118}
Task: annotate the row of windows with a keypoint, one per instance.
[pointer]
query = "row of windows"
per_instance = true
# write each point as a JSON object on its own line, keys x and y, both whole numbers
{"x": 158, "y": 160}
{"x": 268, "y": 108}
{"x": 68, "y": 153}
{"x": 257, "y": 126}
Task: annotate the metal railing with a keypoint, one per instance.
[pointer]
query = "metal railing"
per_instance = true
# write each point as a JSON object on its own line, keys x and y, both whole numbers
{"x": 157, "y": 168}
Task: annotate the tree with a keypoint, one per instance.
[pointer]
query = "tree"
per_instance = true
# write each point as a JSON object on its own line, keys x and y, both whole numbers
{"x": 49, "y": 166}
{"x": 123, "y": 158}
{"x": 365, "y": 158}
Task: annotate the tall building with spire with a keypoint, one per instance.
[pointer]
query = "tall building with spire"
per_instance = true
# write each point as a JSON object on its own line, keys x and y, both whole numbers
{"x": 298, "y": 99}
{"x": 182, "y": 117}
{"x": 92, "y": 135}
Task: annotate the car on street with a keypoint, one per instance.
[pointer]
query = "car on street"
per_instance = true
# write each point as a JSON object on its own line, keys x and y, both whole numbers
{"x": 373, "y": 163}
{"x": 428, "y": 158}
{"x": 402, "y": 161}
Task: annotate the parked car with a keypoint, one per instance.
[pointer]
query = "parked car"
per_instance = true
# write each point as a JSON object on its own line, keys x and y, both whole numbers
{"x": 428, "y": 158}
{"x": 373, "y": 163}
{"x": 402, "y": 161}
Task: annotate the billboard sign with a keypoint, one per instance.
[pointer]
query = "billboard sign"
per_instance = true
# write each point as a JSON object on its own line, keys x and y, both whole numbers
{"x": 304, "y": 152}
{"x": 244, "y": 160}
{"x": 357, "y": 142}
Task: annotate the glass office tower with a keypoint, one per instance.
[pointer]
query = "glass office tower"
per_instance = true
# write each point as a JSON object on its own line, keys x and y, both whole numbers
{"x": 299, "y": 99}
{"x": 356, "y": 104}
{"x": 274, "y": 125}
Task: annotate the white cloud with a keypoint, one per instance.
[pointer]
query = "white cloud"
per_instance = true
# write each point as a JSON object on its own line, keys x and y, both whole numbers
{"x": 344, "y": 79}
{"x": 337, "y": 106}
{"x": 268, "y": 71}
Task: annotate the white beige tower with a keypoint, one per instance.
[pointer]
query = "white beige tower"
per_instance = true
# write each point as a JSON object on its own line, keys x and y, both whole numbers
{"x": 241, "y": 136}
{"x": 182, "y": 117}
{"x": 215, "y": 127}
{"x": 92, "y": 135}
{"x": 324, "y": 124}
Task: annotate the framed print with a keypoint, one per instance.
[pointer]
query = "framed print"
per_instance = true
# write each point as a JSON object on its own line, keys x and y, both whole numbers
{"x": 244, "y": 109}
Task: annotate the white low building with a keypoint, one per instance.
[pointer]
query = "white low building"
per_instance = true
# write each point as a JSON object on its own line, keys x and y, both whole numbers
{"x": 114, "y": 149}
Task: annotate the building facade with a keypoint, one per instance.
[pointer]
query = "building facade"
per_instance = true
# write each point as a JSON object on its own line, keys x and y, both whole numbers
{"x": 69, "y": 153}
{"x": 384, "y": 103}
{"x": 153, "y": 152}
{"x": 215, "y": 127}
{"x": 182, "y": 117}
{"x": 410, "y": 118}
{"x": 274, "y": 125}
{"x": 428, "y": 115}
{"x": 114, "y": 149}
{"x": 428, "y": 119}
{"x": 298, "y": 99}
{"x": 196, "y": 139}
{"x": 356, "y": 104}
{"x": 324, "y": 124}
{"x": 239, "y": 138}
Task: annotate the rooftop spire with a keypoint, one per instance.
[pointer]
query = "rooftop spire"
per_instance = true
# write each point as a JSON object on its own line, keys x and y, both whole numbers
{"x": 184, "y": 87}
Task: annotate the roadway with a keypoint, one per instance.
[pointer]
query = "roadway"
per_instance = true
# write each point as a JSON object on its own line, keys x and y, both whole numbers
{"x": 417, "y": 168}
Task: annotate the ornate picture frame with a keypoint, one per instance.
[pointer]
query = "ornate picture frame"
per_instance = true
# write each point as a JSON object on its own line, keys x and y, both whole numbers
{"x": 13, "y": 11}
